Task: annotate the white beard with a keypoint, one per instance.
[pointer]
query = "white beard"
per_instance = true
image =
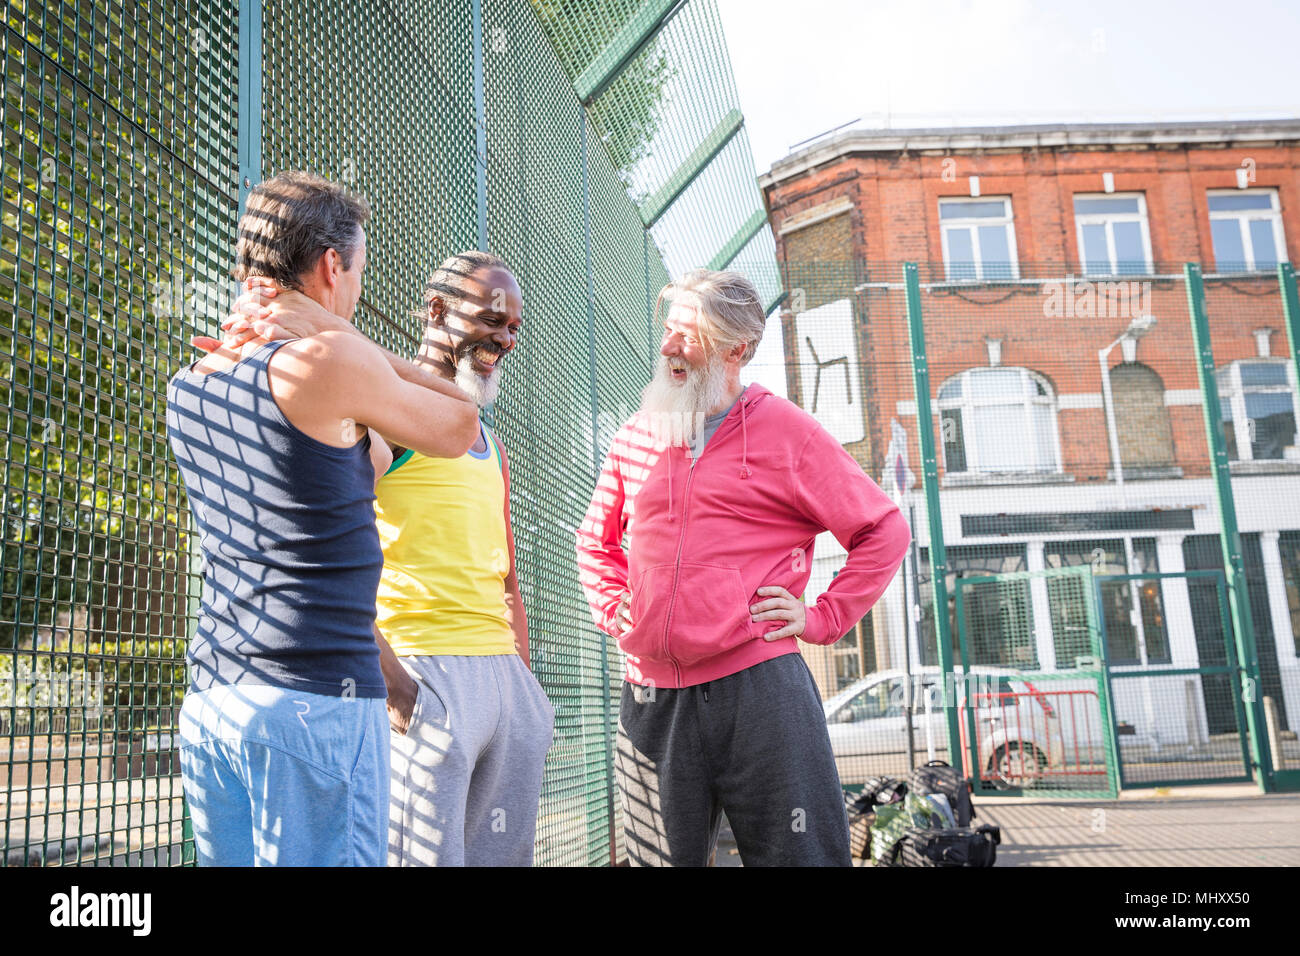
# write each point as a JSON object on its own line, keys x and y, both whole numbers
{"x": 676, "y": 411}
{"x": 482, "y": 389}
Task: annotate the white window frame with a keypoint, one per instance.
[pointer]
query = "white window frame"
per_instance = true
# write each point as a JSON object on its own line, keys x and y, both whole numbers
{"x": 967, "y": 404}
{"x": 1234, "y": 394}
{"x": 1007, "y": 221}
{"x": 1108, "y": 219}
{"x": 1243, "y": 218}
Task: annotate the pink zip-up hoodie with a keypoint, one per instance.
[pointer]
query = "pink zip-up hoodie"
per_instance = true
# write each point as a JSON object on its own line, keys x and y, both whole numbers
{"x": 707, "y": 533}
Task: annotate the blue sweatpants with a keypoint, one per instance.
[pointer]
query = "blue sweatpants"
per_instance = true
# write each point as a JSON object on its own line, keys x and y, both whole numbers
{"x": 276, "y": 777}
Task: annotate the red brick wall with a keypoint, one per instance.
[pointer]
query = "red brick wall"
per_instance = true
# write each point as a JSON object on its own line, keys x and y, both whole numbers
{"x": 896, "y": 198}
{"x": 895, "y": 219}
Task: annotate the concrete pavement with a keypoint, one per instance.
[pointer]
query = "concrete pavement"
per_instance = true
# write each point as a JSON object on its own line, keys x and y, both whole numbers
{"x": 1220, "y": 825}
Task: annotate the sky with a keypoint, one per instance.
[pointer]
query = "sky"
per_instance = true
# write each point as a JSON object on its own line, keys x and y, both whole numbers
{"x": 806, "y": 67}
{"x": 905, "y": 63}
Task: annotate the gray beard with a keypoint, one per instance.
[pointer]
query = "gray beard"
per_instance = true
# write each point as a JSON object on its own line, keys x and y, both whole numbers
{"x": 676, "y": 412}
{"x": 482, "y": 390}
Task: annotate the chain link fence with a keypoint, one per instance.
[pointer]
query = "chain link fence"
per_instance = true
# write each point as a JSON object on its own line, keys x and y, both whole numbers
{"x": 1067, "y": 433}
{"x": 585, "y": 144}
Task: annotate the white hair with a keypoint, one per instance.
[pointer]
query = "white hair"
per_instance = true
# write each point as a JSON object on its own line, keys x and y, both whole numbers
{"x": 729, "y": 311}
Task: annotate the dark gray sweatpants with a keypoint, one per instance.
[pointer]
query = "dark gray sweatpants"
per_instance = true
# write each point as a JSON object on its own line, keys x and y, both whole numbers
{"x": 754, "y": 745}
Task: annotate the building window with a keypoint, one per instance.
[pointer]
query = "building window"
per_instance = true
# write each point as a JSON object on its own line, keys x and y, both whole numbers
{"x": 1288, "y": 542}
{"x": 1145, "y": 435}
{"x": 853, "y": 656}
{"x": 1112, "y": 234}
{"x": 1246, "y": 227}
{"x": 999, "y": 420}
{"x": 979, "y": 238}
{"x": 998, "y": 615}
{"x": 1070, "y": 637}
{"x": 1257, "y": 399}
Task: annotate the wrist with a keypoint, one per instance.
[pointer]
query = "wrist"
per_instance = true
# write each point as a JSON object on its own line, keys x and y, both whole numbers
{"x": 814, "y": 626}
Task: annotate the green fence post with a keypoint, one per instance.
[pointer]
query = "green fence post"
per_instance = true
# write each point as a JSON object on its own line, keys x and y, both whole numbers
{"x": 1105, "y": 701}
{"x": 1290, "y": 779}
{"x": 250, "y": 97}
{"x": 934, "y": 517}
{"x": 1290, "y": 312}
{"x": 480, "y": 122}
{"x": 1238, "y": 596}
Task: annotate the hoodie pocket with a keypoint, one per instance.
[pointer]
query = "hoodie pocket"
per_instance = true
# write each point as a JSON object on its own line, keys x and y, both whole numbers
{"x": 710, "y": 613}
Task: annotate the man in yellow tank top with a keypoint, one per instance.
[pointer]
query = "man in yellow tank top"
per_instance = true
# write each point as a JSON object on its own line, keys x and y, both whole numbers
{"x": 471, "y": 725}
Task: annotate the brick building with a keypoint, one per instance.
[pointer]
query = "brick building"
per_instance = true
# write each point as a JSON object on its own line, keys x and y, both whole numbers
{"x": 1051, "y": 268}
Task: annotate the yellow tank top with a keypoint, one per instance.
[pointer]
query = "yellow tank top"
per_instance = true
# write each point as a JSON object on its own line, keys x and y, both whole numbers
{"x": 442, "y": 528}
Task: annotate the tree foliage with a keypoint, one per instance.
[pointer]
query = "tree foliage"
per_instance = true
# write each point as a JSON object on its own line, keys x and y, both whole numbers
{"x": 627, "y": 114}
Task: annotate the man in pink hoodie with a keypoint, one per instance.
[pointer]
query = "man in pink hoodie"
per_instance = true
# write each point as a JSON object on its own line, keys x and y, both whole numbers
{"x": 721, "y": 490}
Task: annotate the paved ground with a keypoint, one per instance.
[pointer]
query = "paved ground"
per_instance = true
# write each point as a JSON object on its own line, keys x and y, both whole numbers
{"x": 1224, "y": 825}
{"x": 130, "y": 822}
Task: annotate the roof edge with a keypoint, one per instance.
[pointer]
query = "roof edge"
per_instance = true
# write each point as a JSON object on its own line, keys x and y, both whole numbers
{"x": 1040, "y": 136}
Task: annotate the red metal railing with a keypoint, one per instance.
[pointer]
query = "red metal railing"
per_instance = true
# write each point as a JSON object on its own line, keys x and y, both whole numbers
{"x": 1034, "y": 737}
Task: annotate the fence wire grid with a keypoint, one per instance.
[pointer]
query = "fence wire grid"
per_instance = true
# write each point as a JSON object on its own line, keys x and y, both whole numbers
{"x": 126, "y": 151}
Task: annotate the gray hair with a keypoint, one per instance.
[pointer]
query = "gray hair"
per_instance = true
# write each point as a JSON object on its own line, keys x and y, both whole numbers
{"x": 448, "y": 280}
{"x": 730, "y": 311}
{"x": 289, "y": 222}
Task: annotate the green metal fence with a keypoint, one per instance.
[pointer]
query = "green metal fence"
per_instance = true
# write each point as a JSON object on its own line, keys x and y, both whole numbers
{"x": 1024, "y": 727}
{"x": 1135, "y": 430}
{"x": 580, "y": 142}
{"x": 598, "y": 149}
{"x": 117, "y": 176}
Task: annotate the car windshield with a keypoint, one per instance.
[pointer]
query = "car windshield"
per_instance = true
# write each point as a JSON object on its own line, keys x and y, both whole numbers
{"x": 832, "y": 704}
{"x": 929, "y": 675}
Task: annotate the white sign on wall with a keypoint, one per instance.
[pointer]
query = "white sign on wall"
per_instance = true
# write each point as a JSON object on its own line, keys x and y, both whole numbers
{"x": 828, "y": 369}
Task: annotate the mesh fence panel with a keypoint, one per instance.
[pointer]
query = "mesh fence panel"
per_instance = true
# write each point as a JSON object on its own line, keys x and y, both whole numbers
{"x": 671, "y": 125}
{"x": 120, "y": 200}
{"x": 1027, "y": 429}
{"x": 118, "y": 207}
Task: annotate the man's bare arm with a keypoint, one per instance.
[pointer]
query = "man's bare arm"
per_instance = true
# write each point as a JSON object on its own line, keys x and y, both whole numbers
{"x": 402, "y": 688}
{"x": 515, "y": 613}
{"x": 265, "y": 313}
{"x": 328, "y": 385}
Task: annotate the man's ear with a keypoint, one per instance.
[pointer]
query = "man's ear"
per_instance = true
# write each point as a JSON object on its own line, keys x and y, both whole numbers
{"x": 328, "y": 268}
{"x": 437, "y": 312}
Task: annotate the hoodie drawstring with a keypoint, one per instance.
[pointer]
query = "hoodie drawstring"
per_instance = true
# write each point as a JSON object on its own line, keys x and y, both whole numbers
{"x": 744, "y": 434}
{"x": 669, "y": 453}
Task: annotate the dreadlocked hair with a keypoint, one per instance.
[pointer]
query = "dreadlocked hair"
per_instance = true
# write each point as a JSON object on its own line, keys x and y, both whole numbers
{"x": 447, "y": 281}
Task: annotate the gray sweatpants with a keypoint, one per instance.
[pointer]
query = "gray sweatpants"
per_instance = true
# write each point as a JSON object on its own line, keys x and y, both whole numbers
{"x": 467, "y": 775}
{"x": 754, "y": 745}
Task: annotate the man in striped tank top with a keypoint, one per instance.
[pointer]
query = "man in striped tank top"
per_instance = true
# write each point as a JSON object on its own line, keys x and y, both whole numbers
{"x": 470, "y": 724}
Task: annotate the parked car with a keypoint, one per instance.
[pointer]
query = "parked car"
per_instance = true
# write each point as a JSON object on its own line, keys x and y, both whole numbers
{"x": 1024, "y": 731}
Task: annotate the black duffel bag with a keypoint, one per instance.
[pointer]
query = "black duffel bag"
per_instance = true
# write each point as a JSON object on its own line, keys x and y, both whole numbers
{"x": 937, "y": 777}
{"x": 951, "y": 846}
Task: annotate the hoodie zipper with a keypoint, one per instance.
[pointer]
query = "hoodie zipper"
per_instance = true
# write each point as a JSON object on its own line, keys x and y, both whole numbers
{"x": 681, "y": 542}
{"x": 677, "y": 567}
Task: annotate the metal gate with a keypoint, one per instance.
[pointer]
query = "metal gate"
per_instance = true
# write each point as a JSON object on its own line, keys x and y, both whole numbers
{"x": 1033, "y": 703}
{"x": 1174, "y": 724}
